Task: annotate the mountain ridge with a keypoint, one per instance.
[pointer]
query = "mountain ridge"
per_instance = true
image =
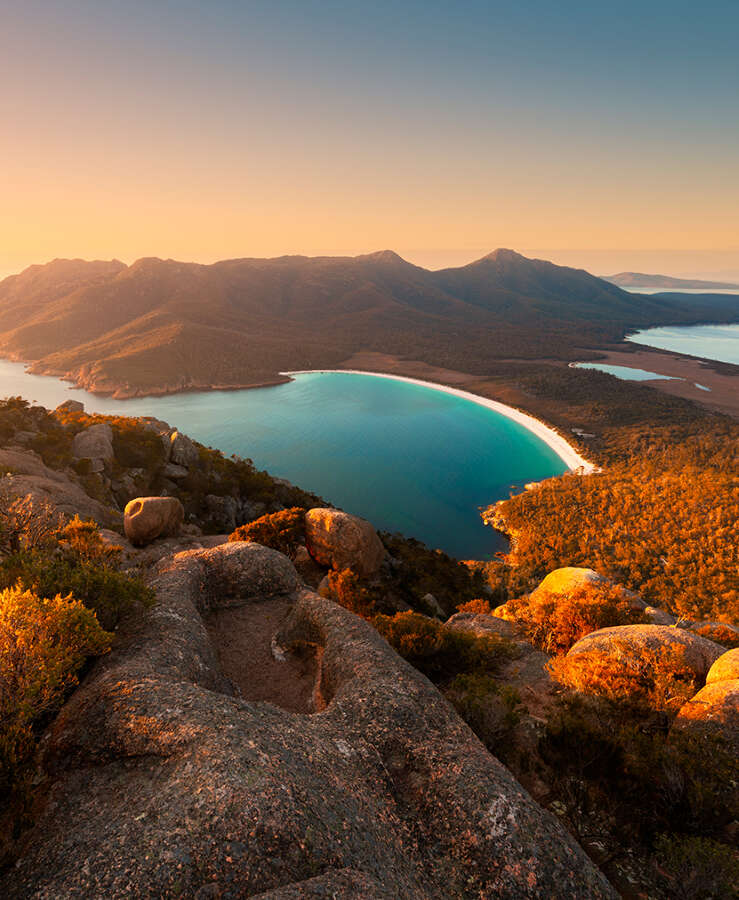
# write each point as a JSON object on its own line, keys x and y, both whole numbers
{"x": 166, "y": 325}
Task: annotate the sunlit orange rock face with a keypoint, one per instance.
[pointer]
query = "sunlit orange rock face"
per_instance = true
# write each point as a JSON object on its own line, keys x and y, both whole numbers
{"x": 334, "y": 538}
{"x": 726, "y": 667}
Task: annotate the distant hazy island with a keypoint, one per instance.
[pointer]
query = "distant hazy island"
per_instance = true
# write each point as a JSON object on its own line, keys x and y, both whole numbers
{"x": 162, "y": 326}
{"x": 640, "y": 280}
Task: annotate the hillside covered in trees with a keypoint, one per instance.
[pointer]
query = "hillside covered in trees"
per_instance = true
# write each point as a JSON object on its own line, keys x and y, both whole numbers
{"x": 659, "y": 518}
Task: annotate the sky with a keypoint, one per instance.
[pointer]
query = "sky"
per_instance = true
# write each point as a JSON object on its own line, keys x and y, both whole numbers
{"x": 602, "y": 135}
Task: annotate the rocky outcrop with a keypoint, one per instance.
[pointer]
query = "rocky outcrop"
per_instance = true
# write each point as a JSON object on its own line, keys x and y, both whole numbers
{"x": 726, "y": 667}
{"x": 713, "y": 714}
{"x": 626, "y": 645}
{"x": 164, "y": 782}
{"x": 71, "y": 406}
{"x": 147, "y": 518}
{"x": 481, "y": 624}
{"x": 31, "y": 477}
{"x": 94, "y": 443}
{"x": 183, "y": 451}
{"x": 335, "y": 538}
{"x": 656, "y": 616}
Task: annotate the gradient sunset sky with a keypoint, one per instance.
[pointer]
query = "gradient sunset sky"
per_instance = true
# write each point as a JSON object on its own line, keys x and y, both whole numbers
{"x": 604, "y": 135}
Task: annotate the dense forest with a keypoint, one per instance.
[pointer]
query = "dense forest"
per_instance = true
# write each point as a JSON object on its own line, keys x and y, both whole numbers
{"x": 661, "y": 516}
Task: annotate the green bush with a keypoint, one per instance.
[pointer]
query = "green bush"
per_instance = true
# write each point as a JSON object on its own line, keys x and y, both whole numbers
{"x": 696, "y": 868}
{"x": 620, "y": 764}
{"x": 98, "y": 584}
{"x": 441, "y": 652}
{"x": 44, "y": 642}
{"x": 488, "y": 707}
{"x": 425, "y": 571}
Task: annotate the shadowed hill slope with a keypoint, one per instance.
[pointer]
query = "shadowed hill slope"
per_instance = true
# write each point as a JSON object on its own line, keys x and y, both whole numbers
{"x": 162, "y": 325}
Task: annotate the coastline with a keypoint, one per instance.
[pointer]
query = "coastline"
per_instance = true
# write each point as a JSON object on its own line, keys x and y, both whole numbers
{"x": 553, "y": 439}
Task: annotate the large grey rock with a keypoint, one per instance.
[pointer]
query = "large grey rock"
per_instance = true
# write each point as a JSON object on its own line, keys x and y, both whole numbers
{"x": 481, "y": 624}
{"x": 656, "y": 616}
{"x": 626, "y": 644}
{"x": 183, "y": 450}
{"x": 95, "y": 442}
{"x": 147, "y": 518}
{"x": 163, "y": 783}
{"x": 335, "y": 538}
{"x": 62, "y": 493}
{"x": 71, "y": 406}
{"x": 175, "y": 472}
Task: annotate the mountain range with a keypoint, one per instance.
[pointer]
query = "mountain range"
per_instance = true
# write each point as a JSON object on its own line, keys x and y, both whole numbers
{"x": 160, "y": 326}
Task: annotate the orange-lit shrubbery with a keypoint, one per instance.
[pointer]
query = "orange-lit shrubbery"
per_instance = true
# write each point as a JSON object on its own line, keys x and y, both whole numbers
{"x": 43, "y": 644}
{"x": 723, "y": 635}
{"x": 478, "y": 606}
{"x": 657, "y": 677}
{"x": 281, "y": 531}
{"x": 347, "y": 589}
{"x": 555, "y": 623}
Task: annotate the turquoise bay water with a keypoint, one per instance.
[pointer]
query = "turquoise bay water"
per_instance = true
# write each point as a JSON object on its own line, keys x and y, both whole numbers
{"x": 406, "y": 457}
{"x": 626, "y": 373}
{"x": 719, "y": 342}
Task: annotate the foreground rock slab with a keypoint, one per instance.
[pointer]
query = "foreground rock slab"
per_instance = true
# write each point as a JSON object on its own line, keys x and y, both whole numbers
{"x": 163, "y": 782}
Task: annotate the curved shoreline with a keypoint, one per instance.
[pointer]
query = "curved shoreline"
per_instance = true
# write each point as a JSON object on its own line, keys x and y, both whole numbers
{"x": 553, "y": 439}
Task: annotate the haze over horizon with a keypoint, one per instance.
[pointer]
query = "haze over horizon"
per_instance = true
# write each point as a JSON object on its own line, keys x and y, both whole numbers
{"x": 605, "y": 139}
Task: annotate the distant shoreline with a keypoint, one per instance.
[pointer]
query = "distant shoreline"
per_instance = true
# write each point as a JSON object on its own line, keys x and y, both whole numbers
{"x": 553, "y": 439}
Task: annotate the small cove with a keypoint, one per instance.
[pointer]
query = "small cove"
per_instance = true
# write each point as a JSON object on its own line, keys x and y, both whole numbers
{"x": 407, "y": 457}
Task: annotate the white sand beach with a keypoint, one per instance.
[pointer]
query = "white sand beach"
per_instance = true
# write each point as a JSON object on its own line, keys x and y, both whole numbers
{"x": 567, "y": 453}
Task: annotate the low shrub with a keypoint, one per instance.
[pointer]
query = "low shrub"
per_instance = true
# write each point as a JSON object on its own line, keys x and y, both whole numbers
{"x": 478, "y": 606}
{"x": 618, "y": 766}
{"x": 489, "y": 708}
{"x": 441, "y": 652}
{"x": 102, "y": 588}
{"x": 347, "y": 589}
{"x": 555, "y": 623}
{"x": 26, "y": 523}
{"x": 721, "y": 634}
{"x": 282, "y": 531}
{"x": 44, "y": 642}
{"x": 658, "y": 678}
{"x": 696, "y": 868}
{"x": 424, "y": 571}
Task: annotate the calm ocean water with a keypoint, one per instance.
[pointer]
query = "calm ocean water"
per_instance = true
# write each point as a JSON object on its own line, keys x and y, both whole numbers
{"x": 720, "y": 342}
{"x": 406, "y": 457}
